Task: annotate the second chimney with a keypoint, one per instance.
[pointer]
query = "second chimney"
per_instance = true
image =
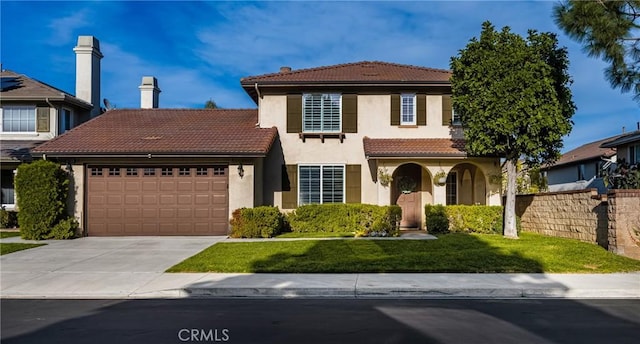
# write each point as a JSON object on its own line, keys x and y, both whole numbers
{"x": 149, "y": 93}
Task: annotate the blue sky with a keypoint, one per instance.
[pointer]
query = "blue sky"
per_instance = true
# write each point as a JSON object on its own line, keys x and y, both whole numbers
{"x": 200, "y": 50}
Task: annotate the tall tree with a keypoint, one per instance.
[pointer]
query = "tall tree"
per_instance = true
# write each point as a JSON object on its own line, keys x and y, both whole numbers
{"x": 210, "y": 104}
{"x": 513, "y": 98}
{"x": 610, "y": 30}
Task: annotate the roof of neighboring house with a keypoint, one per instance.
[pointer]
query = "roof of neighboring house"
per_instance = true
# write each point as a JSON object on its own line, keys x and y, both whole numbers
{"x": 17, "y": 150}
{"x": 413, "y": 147}
{"x": 622, "y": 139}
{"x": 19, "y": 87}
{"x": 205, "y": 132}
{"x": 589, "y": 151}
{"x": 373, "y": 73}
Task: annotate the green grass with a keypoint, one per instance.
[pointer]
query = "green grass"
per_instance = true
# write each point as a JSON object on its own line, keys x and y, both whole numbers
{"x": 6, "y": 248}
{"x": 450, "y": 253}
{"x": 296, "y": 235}
{"x": 9, "y": 234}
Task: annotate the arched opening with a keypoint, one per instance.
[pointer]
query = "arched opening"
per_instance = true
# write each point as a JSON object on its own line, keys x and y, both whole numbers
{"x": 411, "y": 189}
{"x": 466, "y": 184}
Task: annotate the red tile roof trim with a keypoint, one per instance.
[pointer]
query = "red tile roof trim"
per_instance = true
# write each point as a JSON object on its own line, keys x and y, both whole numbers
{"x": 374, "y": 148}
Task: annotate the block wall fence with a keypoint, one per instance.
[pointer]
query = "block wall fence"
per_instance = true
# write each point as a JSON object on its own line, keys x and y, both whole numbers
{"x": 611, "y": 221}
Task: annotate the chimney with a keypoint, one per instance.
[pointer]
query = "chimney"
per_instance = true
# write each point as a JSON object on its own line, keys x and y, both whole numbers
{"x": 285, "y": 69}
{"x": 149, "y": 93}
{"x": 88, "y": 57}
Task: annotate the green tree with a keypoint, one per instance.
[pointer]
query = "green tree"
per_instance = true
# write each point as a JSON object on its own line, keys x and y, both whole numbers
{"x": 210, "y": 104}
{"x": 513, "y": 100}
{"x": 607, "y": 30}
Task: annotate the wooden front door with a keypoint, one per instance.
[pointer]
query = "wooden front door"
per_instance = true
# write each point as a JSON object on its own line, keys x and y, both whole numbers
{"x": 407, "y": 187}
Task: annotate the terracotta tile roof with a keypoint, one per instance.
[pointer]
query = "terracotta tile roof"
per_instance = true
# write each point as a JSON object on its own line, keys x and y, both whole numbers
{"x": 166, "y": 131}
{"x": 413, "y": 147}
{"x": 364, "y": 71}
{"x": 587, "y": 151}
{"x": 20, "y": 87}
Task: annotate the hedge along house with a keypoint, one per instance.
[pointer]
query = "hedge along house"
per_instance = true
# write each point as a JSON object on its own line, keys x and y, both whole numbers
{"x": 346, "y": 130}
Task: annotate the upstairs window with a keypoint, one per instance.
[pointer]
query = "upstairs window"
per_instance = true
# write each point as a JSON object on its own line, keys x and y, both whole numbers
{"x": 18, "y": 119}
{"x": 66, "y": 120}
{"x": 407, "y": 109}
{"x": 321, "y": 112}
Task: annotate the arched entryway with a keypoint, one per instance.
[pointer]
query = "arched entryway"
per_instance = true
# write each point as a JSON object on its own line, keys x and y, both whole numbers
{"x": 411, "y": 187}
{"x": 466, "y": 184}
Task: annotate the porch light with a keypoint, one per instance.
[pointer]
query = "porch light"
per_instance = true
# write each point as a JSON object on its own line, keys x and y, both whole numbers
{"x": 240, "y": 170}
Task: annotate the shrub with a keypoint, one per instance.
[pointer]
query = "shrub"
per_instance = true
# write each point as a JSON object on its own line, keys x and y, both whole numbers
{"x": 41, "y": 189}
{"x": 362, "y": 219}
{"x": 8, "y": 218}
{"x": 65, "y": 229}
{"x": 259, "y": 222}
{"x": 437, "y": 219}
{"x": 475, "y": 218}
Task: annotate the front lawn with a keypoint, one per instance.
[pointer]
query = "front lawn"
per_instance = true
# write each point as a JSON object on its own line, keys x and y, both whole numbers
{"x": 450, "y": 253}
{"x": 9, "y": 234}
{"x": 6, "y": 248}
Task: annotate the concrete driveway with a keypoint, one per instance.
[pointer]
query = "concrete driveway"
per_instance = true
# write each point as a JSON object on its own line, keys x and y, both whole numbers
{"x": 94, "y": 266}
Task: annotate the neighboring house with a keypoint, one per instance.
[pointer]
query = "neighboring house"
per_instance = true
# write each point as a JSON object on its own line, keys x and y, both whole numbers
{"x": 581, "y": 168}
{"x": 32, "y": 112}
{"x": 626, "y": 146}
{"x": 319, "y": 135}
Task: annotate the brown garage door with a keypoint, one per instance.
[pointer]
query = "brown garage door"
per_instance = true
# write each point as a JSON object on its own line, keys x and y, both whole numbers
{"x": 170, "y": 200}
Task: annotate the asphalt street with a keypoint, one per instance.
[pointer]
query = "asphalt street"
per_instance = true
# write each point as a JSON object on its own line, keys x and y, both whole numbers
{"x": 320, "y": 321}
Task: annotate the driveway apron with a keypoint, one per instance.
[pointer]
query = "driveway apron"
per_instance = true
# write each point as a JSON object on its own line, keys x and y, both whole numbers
{"x": 115, "y": 266}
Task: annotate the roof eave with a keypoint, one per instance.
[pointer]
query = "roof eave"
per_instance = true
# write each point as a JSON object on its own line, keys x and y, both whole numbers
{"x": 150, "y": 155}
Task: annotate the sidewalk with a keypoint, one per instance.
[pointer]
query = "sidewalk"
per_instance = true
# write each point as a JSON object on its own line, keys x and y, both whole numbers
{"x": 122, "y": 268}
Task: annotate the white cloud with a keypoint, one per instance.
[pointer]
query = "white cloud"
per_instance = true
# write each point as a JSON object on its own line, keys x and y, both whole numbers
{"x": 63, "y": 28}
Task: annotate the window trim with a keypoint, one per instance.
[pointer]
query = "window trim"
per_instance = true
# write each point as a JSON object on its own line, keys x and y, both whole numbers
{"x": 414, "y": 104}
{"x": 344, "y": 182}
{"x": 34, "y": 118}
{"x": 454, "y": 175}
{"x": 322, "y": 115}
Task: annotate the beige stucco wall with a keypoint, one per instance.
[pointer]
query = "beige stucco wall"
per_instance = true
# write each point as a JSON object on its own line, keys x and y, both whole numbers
{"x": 76, "y": 198}
{"x": 241, "y": 189}
{"x": 374, "y": 122}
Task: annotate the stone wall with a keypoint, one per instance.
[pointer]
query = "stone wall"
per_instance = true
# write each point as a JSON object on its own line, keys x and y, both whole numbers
{"x": 580, "y": 214}
{"x": 624, "y": 222}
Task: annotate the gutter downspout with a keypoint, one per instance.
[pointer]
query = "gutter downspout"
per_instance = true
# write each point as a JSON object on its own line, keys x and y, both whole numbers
{"x": 255, "y": 85}
{"x": 55, "y": 120}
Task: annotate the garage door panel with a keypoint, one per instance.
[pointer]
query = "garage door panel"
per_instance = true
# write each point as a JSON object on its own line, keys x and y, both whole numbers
{"x": 150, "y": 213}
{"x": 187, "y": 202}
{"x": 200, "y": 185}
{"x": 185, "y": 199}
{"x": 132, "y": 200}
{"x": 167, "y": 199}
{"x": 115, "y": 186}
{"x": 132, "y": 186}
{"x": 149, "y": 199}
{"x": 202, "y": 199}
{"x": 167, "y": 185}
{"x": 149, "y": 185}
{"x": 185, "y": 213}
{"x": 185, "y": 185}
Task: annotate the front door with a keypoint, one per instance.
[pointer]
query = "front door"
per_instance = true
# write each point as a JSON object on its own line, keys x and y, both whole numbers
{"x": 407, "y": 186}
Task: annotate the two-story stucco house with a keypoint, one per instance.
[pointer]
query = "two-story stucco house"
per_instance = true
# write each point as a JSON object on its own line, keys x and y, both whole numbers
{"x": 331, "y": 134}
{"x": 32, "y": 112}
